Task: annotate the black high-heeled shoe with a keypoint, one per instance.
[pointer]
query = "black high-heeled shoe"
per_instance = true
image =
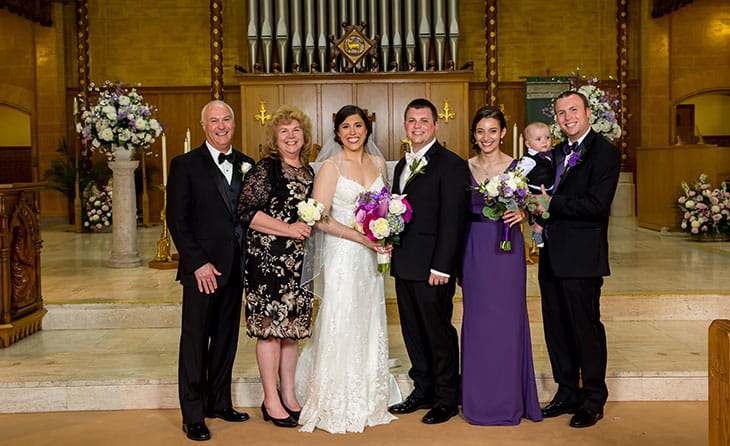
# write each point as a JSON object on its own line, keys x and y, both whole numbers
{"x": 280, "y": 422}
{"x": 292, "y": 413}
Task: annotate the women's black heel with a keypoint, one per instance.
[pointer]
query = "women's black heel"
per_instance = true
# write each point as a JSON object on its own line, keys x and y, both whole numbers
{"x": 280, "y": 422}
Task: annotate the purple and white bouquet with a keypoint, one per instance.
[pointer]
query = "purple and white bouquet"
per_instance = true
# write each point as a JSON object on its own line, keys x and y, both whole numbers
{"x": 601, "y": 103}
{"x": 705, "y": 210}
{"x": 506, "y": 192}
{"x": 118, "y": 119}
{"x": 382, "y": 216}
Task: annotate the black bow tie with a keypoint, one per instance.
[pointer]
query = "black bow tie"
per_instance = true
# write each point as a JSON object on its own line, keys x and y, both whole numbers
{"x": 223, "y": 157}
{"x": 544, "y": 155}
{"x": 568, "y": 148}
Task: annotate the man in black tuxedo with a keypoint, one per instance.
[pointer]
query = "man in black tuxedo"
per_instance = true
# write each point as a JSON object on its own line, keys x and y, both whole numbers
{"x": 426, "y": 264}
{"x": 574, "y": 261}
{"x": 202, "y": 194}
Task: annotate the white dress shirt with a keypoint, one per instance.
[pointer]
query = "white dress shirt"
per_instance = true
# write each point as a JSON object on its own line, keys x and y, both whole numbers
{"x": 226, "y": 167}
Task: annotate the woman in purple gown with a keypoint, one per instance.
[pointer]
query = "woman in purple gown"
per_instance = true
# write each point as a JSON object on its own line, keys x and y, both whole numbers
{"x": 498, "y": 379}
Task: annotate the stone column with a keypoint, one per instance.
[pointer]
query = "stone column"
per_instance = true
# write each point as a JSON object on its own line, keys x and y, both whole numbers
{"x": 124, "y": 215}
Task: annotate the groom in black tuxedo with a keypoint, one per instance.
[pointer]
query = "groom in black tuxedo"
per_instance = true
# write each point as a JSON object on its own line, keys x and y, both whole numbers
{"x": 426, "y": 264}
{"x": 574, "y": 261}
{"x": 202, "y": 194}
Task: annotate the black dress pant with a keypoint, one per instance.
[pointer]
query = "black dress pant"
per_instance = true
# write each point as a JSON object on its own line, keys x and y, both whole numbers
{"x": 575, "y": 336}
{"x": 208, "y": 343}
{"x": 430, "y": 338}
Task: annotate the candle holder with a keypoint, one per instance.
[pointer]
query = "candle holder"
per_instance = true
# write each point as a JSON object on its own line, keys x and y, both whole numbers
{"x": 163, "y": 259}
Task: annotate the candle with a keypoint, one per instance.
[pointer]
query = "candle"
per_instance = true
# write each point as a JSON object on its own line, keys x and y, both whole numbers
{"x": 521, "y": 145}
{"x": 164, "y": 159}
{"x": 76, "y": 106}
{"x": 514, "y": 141}
{"x": 187, "y": 140}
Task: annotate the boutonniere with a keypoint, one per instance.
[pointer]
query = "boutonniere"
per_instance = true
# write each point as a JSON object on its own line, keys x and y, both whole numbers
{"x": 573, "y": 160}
{"x": 245, "y": 167}
{"x": 416, "y": 164}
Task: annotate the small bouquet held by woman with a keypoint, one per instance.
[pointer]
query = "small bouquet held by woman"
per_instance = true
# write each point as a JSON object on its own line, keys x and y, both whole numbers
{"x": 382, "y": 217}
{"x": 506, "y": 192}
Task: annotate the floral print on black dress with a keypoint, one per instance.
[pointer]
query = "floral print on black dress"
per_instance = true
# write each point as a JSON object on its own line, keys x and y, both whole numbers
{"x": 276, "y": 305}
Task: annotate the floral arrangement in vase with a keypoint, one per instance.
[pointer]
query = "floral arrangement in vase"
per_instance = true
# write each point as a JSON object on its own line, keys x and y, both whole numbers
{"x": 118, "y": 120}
{"x": 705, "y": 211}
{"x": 97, "y": 216}
{"x": 601, "y": 103}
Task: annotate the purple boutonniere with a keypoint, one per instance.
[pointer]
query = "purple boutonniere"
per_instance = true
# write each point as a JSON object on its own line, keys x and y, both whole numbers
{"x": 574, "y": 159}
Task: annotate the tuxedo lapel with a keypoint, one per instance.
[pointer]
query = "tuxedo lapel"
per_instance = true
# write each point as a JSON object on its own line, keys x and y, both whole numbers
{"x": 213, "y": 172}
{"x": 581, "y": 151}
{"x": 397, "y": 189}
{"x": 430, "y": 154}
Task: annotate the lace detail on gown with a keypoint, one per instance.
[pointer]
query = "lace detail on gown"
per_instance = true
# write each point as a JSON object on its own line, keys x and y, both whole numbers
{"x": 342, "y": 378}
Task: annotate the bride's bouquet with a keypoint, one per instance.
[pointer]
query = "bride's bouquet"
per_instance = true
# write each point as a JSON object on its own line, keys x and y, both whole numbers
{"x": 382, "y": 216}
{"x": 506, "y": 192}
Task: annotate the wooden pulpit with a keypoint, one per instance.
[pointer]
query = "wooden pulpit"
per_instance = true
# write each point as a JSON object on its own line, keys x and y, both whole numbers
{"x": 719, "y": 383}
{"x": 21, "y": 304}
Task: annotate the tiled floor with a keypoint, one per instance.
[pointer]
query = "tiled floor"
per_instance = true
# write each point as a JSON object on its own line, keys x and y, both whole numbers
{"x": 655, "y": 308}
{"x": 642, "y": 262}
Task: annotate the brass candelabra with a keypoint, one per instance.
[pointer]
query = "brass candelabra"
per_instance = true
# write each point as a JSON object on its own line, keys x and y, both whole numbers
{"x": 163, "y": 259}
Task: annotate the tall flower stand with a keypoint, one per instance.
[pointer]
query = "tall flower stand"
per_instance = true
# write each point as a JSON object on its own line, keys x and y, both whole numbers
{"x": 124, "y": 204}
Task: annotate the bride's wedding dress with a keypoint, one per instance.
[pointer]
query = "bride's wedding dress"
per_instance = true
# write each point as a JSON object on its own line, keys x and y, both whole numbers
{"x": 342, "y": 379}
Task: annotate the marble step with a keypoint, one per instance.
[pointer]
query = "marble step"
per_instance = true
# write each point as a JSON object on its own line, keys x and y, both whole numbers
{"x": 79, "y": 316}
{"x": 114, "y": 369}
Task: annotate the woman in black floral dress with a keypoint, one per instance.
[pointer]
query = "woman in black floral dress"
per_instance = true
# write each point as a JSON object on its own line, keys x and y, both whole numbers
{"x": 278, "y": 310}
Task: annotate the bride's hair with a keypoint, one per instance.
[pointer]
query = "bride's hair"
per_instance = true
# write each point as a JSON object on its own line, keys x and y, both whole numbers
{"x": 347, "y": 111}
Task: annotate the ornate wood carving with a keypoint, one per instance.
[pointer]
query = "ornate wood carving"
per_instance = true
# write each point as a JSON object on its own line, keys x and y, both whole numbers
{"x": 622, "y": 63}
{"x": 354, "y": 46}
{"x": 216, "y": 49}
{"x": 21, "y": 304}
{"x": 490, "y": 9}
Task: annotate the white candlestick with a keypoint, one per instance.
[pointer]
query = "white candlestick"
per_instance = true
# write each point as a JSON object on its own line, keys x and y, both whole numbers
{"x": 521, "y": 146}
{"x": 187, "y": 139}
{"x": 514, "y": 141}
{"x": 76, "y": 107}
{"x": 164, "y": 159}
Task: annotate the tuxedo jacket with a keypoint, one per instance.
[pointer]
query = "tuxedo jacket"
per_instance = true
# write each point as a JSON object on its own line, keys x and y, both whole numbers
{"x": 439, "y": 199}
{"x": 201, "y": 215}
{"x": 577, "y": 239}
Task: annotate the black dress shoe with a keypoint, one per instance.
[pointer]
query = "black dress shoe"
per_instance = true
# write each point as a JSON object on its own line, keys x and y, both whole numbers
{"x": 410, "y": 405}
{"x": 440, "y": 414}
{"x": 556, "y": 408}
{"x": 292, "y": 413}
{"x": 197, "y": 431}
{"x": 585, "y": 418}
{"x": 229, "y": 414}
{"x": 281, "y": 422}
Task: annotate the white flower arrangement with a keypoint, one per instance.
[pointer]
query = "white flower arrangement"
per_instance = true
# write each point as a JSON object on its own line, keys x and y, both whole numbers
{"x": 603, "y": 117}
{"x": 705, "y": 210}
{"x": 119, "y": 118}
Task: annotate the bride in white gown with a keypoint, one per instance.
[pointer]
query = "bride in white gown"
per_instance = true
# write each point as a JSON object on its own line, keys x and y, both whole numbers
{"x": 342, "y": 377}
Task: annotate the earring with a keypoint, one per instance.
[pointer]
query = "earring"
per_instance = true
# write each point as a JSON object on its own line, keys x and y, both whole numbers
{"x": 501, "y": 141}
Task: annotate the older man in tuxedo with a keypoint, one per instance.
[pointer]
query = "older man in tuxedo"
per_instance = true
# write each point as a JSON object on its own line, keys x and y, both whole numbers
{"x": 574, "y": 261}
{"x": 426, "y": 263}
{"x": 203, "y": 190}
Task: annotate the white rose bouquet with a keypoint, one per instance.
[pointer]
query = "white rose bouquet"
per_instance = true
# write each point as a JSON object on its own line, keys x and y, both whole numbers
{"x": 119, "y": 118}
